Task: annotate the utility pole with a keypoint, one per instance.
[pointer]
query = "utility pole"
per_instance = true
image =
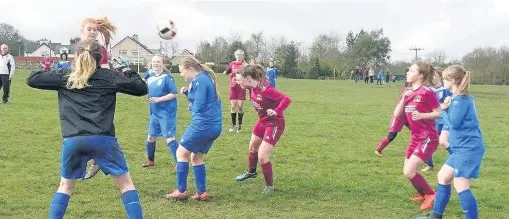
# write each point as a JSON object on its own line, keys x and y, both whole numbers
{"x": 416, "y": 49}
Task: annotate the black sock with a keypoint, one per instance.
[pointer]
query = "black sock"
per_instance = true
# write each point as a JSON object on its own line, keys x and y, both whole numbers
{"x": 241, "y": 116}
{"x": 234, "y": 118}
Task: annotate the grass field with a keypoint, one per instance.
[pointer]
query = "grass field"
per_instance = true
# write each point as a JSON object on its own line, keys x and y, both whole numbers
{"x": 324, "y": 164}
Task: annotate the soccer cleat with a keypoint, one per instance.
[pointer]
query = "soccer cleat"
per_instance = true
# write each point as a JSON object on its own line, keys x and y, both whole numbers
{"x": 268, "y": 190}
{"x": 203, "y": 197}
{"x": 148, "y": 163}
{"x": 379, "y": 153}
{"x": 430, "y": 216}
{"x": 94, "y": 169}
{"x": 418, "y": 198}
{"x": 176, "y": 195}
{"x": 232, "y": 129}
{"x": 427, "y": 204}
{"x": 428, "y": 168}
{"x": 245, "y": 176}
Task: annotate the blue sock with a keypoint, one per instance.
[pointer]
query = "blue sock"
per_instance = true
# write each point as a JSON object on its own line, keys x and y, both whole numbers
{"x": 449, "y": 150}
{"x": 132, "y": 204}
{"x": 151, "y": 150}
{"x": 469, "y": 204}
{"x": 58, "y": 205}
{"x": 182, "y": 171}
{"x": 430, "y": 162}
{"x": 200, "y": 176}
{"x": 441, "y": 199}
{"x": 173, "y": 149}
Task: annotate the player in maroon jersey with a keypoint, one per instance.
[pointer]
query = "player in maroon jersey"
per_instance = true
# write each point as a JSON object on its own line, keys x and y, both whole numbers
{"x": 90, "y": 30}
{"x": 421, "y": 108}
{"x": 237, "y": 93}
{"x": 269, "y": 103}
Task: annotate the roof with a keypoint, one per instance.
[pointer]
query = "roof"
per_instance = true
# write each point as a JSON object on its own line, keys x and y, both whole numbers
{"x": 183, "y": 53}
{"x": 31, "y": 46}
{"x": 137, "y": 42}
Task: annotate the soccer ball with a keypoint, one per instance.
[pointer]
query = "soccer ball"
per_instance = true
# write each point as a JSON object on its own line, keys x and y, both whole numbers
{"x": 166, "y": 29}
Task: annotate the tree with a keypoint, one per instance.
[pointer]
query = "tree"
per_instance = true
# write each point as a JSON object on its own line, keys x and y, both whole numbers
{"x": 255, "y": 46}
{"x": 350, "y": 39}
{"x": 437, "y": 58}
{"x": 289, "y": 55}
{"x": 370, "y": 49}
{"x": 74, "y": 40}
{"x": 170, "y": 48}
{"x": 12, "y": 37}
{"x": 206, "y": 52}
{"x": 221, "y": 47}
{"x": 315, "y": 71}
{"x": 234, "y": 47}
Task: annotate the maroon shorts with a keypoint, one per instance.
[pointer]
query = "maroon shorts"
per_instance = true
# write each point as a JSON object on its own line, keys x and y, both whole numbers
{"x": 422, "y": 148}
{"x": 269, "y": 134}
{"x": 237, "y": 93}
{"x": 397, "y": 124}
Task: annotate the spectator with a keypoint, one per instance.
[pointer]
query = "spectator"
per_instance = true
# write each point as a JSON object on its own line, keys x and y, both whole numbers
{"x": 7, "y": 68}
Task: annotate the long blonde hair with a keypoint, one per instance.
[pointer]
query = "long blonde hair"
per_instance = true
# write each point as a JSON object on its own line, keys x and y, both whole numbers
{"x": 104, "y": 26}
{"x": 189, "y": 62}
{"x": 88, "y": 55}
{"x": 427, "y": 71}
{"x": 460, "y": 76}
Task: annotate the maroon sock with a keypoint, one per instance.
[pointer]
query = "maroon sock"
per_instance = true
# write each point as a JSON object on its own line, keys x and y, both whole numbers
{"x": 267, "y": 173}
{"x": 383, "y": 143}
{"x": 421, "y": 185}
{"x": 253, "y": 160}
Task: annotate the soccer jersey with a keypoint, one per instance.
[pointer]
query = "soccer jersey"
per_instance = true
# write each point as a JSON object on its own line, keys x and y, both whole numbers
{"x": 158, "y": 86}
{"x": 441, "y": 93}
{"x": 461, "y": 119}
{"x": 272, "y": 74}
{"x": 232, "y": 70}
{"x": 267, "y": 97}
{"x": 205, "y": 105}
{"x": 64, "y": 65}
{"x": 423, "y": 100}
{"x": 104, "y": 56}
{"x": 46, "y": 64}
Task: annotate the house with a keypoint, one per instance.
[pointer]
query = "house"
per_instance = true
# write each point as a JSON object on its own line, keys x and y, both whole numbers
{"x": 131, "y": 49}
{"x": 175, "y": 60}
{"x": 44, "y": 47}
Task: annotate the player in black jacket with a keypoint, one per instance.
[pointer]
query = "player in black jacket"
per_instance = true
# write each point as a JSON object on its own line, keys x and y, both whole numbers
{"x": 86, "y": 101}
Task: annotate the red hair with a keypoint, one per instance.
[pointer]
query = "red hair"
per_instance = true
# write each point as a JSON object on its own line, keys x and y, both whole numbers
{"x": 104, "y": 26}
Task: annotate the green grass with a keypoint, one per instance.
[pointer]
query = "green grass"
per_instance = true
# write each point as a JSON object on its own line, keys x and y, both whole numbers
{"x": 324, "y": 164}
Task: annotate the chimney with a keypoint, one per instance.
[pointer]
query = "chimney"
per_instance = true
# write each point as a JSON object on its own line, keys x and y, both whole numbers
{"x": 135, "y": 36}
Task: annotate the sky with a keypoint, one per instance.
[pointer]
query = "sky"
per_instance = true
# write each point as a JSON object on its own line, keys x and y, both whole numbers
{"x": 455, "y": 27}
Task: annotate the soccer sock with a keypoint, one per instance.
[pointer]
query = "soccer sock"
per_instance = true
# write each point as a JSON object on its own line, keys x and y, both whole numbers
{"x": 172, "y": 145}
{"x": 182, "y": 171}
{"x": 241, "y": 116}
{"x": 430, "y": 162}
{"x": 252, "y": 161}
{"x": 200, "y": 176}
{"x": 132, "y": 204}
{"x": 267, "y": 173}
{"x": 383, "y": 143}
{"x": 441, "y": 199}
{"x": 58, "y": 205}
{"x": 151, "y": 150}
{"x": 234, "y": 117}
{"x": 421, "y": 185}
{"x": 469, "y": 204}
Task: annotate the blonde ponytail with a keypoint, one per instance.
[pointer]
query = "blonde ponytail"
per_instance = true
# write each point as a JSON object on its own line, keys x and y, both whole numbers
{"x": 461, "y": 78}
{"x": 464, "y": 86}
{"x": 212, "y": 75}
{"x": 85, "y": 65}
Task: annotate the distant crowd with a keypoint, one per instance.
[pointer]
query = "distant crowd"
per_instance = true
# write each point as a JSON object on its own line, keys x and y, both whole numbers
{"x": 369, "y": 75}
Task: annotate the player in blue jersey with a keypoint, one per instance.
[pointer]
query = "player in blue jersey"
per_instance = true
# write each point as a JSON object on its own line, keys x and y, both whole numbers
{"x": 86, "y": 102}
{"x": 466, "y": 143}
{"x": 206, "y": 126}
{"x": 63, "y": 64}
{"x": 272, "y": 74}
{"x": 162, "y": 95}
{"x": 442, "y": 93}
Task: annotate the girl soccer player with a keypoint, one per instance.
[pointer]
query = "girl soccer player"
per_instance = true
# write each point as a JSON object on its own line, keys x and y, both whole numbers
{"x": 86, "y": 99}
{"x": 420, "y": 107}
{"x": 162, "y": 95}
{"x": 205, "y": 128}
{"x": 270, "y": 105}
{"x": 466, "y": 143}
{"x": 441, "y": 93}
{"x": 63, "y": 64}
{"x": 237, "y": 94}
{"x": 90, "y": 29}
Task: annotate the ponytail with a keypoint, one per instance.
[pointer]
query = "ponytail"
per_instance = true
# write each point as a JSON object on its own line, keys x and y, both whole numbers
{"x": 104, "y": 26}
{"x": 88, "y": 56}
{"x": 212, "y": 75}
{"x": 463, "y": 87}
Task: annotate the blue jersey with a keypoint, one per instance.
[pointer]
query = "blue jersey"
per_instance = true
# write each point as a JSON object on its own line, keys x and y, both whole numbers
{"x": 464, "y": 133}
{"x": 64, "y": 65}
{"x": 380, "y": 75}
{"x": 441, "y": 94}
{"x": 205, "y": 105}
{"x": 272, "y": 74}
{"x": 158, "y": 86}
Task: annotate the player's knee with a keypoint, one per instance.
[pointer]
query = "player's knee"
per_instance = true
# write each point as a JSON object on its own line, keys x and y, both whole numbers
{"x": 196, "y": 159}
{"x": 409, "y": 173}
{"x": 461, "y": 184}
{"x": 182, "y": 154}
{"x": 391, "y": 136}
{"x": 66, "y": 186}
{"x": 151, "y": 139}
{"x": 444, "y": 178}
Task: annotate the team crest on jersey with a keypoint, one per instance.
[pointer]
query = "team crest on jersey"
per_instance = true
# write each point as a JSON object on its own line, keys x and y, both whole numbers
{"x": 258, "y": 97}
{"x": 159, "y": 82}
{"x": 417, "y": 99}
{"x": 455, "y": 103}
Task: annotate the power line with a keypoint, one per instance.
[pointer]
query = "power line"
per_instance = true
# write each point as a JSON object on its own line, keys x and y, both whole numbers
{"x": 416, "y": 49}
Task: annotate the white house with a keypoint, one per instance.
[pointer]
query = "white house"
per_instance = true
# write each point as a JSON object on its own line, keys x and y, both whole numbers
{"x": 45, "y": 47}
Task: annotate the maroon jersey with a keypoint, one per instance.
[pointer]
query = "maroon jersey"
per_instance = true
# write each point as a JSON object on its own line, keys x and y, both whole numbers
{"x": 423, "y": 100}
{"x": 266, "y": 97}
{"x": 104, "y": 54}
{"x": 232, "y": 69}
{"x": 46, "y": 63}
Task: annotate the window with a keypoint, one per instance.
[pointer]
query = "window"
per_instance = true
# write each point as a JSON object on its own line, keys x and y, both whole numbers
{"x": 135, "y": 52}
{"x": 122, "y": 52}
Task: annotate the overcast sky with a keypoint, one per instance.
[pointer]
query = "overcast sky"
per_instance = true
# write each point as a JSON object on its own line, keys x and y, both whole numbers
{"x": 453, "y": 26}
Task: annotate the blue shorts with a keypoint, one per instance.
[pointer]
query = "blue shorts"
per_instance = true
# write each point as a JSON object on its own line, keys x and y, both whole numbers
{"x": 465, "y": 165}
{"x": 200, "y": 141}
{"x": 78, "y": 150}
{"x": 439, "y": 127}
{"x": 162, "y": 127}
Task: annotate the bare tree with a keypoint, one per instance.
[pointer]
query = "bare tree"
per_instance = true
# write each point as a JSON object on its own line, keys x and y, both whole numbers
{"x": 437, "y": 57}
{"x": 170, "y": 48}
